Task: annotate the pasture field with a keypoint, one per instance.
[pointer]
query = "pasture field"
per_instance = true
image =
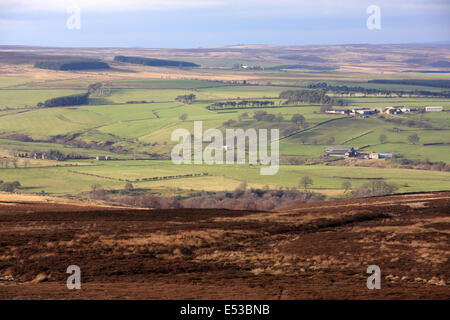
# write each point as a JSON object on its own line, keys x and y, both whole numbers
{"x": 7, "y": 82}
{"x": 16, "y": 98}
{"x": 112, "y": 175}
{"x": 136, "y": 120}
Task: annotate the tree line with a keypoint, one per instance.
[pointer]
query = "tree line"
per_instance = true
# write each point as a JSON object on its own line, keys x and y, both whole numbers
{"x": 347, "y": 90}
{"x": 241, "y": 198}
{"x": 309, "y": 96}
{"x": 155, "y": 62}
{"x": 416, "y": 82}
{"x": 52, "y": 155}
{"x": 9, "y": 186}
{"x": 240, "y": 105}
{"x": 71, "y": 64}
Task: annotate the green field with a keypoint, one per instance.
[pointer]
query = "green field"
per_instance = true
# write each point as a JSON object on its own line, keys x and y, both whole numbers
{"x": 16, "y": 98}
{"x": 72, "y": 180}
{"x": 141, "y": 129}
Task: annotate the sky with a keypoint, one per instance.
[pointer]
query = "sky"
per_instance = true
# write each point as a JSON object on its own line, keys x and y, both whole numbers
{"x": 206, "y": 23}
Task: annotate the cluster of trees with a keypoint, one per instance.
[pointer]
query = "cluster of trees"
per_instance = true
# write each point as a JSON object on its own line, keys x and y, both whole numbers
{"x": 107, "y": 145}
{"x": 50, "y": 155}
{"x": 229, "y": 123}
{"x": 155, "y": 62}
{"x": 4, "y": 162}
{"x": 374, "y": 188}
{"x": 71, "y": 64}
{"x": 189, "y": 175}
{"x": 382, "y": 138}
{"x": 347, "y": 90}
{"x": 243, "y": 116}
{"x": 309, "y": 96}
{"x": 289, "y": 130}
{"x": 9, "y": 186}
{"x": 187, "y": 99}
{"x": 420, "y": 164}
{"x": 407, "y": 122}
{"x": 136, "y": 101}
{"x": 299, "y": 122}
{"x": 72, "y": 100}
{"x": 398, "y": 161}
{"x": 241, "y": 198}
{"x": 19, "y": 137}
{"x": 99, "y": 89}
{"x": 414, "y": 138}
{"x": 305, "y": 182}
{"x": 240, "y": 105}
{"x": 264, "y": 116}
{"x": 53, "y": 155}
{"x": 297, "y": 118}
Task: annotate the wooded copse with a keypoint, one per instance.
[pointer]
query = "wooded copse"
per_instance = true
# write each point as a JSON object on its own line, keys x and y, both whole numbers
{"x": 154, "y": 62}
{"x": 188, "y": 98}
{"x": 239, "y": 199}
{"x": 71, "y": 64}
{"x": 309, "y": 96}
{"x": 72, "y": 100}
{"x": 99, "y": 89}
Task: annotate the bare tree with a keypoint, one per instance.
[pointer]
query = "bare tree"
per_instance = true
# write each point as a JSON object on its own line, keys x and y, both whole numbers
{"x": 14, "y": 162}
{"x": 346, "y": 186}
{"x": 305, "y": 182}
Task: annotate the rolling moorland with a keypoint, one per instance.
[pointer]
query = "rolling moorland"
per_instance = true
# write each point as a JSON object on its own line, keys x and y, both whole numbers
{"x": 132, "y": 110}
{"x": 309, "y": 251}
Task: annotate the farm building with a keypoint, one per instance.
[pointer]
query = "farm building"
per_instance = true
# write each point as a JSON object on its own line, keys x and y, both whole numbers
{"x": 99, "y": 158}
{"x": 40, "y": 155}
{"x": 376, "y": 155}
{"x": 433, "y": 109}
{"x": 340, "y": 152}
{"x": 393, "y": 110}
{"x": 366, "y": 112}
{"x": 337, "y": 111}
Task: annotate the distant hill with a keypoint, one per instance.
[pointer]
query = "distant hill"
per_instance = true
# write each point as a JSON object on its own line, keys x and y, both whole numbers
{"x": 308, "y": 58}
{"x": 302, "y": 66}
{"x": 440, "y": 64}
{"x": 155, "y": 62}
{"x": 438, "y": 83}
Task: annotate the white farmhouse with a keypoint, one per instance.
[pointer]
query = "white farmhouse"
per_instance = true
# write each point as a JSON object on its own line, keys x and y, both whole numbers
{"x": 433, "y": 109}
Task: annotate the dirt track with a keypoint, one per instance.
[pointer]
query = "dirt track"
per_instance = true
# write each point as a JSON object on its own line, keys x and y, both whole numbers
{"x": 318, "y": 250}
